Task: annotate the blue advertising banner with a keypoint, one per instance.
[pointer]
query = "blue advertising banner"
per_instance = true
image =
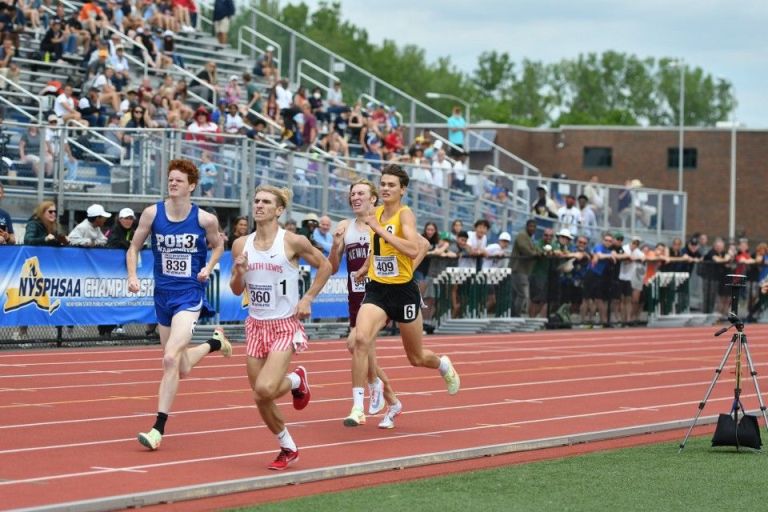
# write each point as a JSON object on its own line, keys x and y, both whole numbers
{"x": 77, "y": 286}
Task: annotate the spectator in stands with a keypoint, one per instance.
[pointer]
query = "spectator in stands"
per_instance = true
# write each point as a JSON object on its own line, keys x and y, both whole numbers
{"x": 318, "y": 108}
{"x": 90, "y": 108}
{"x": 393, "y": 143}
{"x": 239, "y": 228}
{"x": 223, "y": 11}
{"x": 52, "y": 44}
{"x": 56, "y": 141}
{"x": 524, "y": 254}
{"x": 64, "y": 106}
{"x": 184, "y": 11}
{"x": 209, "y": 174}
{"x": 309, "y": 127}
{"x": 271, "y": 110}
{"x": 596, "y": 195}
{"x": 203, "y": 130}
{"x": 569, "y": 215}
{"x": 442, "y": 168}
{"x": 29, "y": 13}
{"x": 457, "y": 126}
{"x": 97, "y": 60}
{"x": 587, "y": 218}
{"x": 459, "y": 174}
{"x": 335, "y": 100}
{"x": 119, "y": 62}
{"x": 265, "y": 65}
{"x": 252, "y": 94}
{"x": 308, "y": 226}
{"x": 8, "y": 23}
{"x": 114, "y": 150}
{"x": 6, "y": 223}
{"x": 89, "y": 232}
{"x": 355, "y": 125}
{"x": 92, "y": 17}
{"x": 596, "y": 289}
{"x": 372, "y": 152}
{"x": 232, "y": 92}
{"x": 233, "y": 121}
{"x": 205, "y": 82}
{"x": 322, "y": 236}
{"x": 477, "y": 241}
{"x": 538, "y": 279}
{"x": 43, "y": 227}
{"x": 29, "y": 151}
{"x": 290, "y": 225}
{"x": 147, "y": 50}
{"x": 8, "y": 69}
{"x": 497, "y": 254}
{"x": 544, "y": 206}
{"x": 335, "y": 145}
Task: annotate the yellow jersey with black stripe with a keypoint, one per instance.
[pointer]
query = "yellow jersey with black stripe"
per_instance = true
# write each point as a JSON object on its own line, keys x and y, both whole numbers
{"x": 388, "y": 265}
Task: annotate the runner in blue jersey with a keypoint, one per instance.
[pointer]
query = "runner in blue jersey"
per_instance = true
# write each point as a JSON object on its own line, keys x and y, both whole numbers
{"x": 180, "y": 235}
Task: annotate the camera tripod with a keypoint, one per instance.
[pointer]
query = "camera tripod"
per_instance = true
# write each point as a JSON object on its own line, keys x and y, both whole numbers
{"x": 732, "y": 427}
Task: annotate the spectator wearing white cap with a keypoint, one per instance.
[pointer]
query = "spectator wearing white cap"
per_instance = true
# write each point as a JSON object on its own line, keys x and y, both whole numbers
{"x": 88, "y": 233}
{"x": 497, "y": 254}
{"x": 232, "y": 92}
{"x": 121, "y": 234}
{"x": 53, "y": 142}
{"x": 265, "y": 64}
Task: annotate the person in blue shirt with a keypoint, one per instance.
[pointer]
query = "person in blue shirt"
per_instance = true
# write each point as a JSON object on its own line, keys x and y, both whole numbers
{"x": 322, "y": 236}
{"x": 180, "y": 233}
{"x": 456, "y": 128}
{"x": 595, "y": 285}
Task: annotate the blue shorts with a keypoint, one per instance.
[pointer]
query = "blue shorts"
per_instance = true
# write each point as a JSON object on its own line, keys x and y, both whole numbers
{"x": 170, "y": 302}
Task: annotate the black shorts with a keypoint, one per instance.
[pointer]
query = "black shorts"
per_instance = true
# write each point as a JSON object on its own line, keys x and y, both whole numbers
{"x": 401, "y": 302}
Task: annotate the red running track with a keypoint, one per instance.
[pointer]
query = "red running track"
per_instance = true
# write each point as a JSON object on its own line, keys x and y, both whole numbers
{"x": 69, "y": 418}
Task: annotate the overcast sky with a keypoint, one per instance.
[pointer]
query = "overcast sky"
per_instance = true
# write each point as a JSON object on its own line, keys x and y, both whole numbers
{"x": 722, "y": 37}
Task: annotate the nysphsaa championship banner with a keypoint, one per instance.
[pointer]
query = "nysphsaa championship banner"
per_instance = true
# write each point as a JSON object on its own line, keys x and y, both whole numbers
{"x": 74, "y": 286}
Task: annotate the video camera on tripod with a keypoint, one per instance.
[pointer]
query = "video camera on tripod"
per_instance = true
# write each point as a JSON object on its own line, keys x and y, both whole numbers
{"x": 736, "y": 428}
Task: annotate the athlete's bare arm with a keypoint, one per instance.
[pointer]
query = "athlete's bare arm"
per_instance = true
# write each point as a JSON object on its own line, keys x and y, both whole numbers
{"x": 409, "y": 244}
{"x": 239, "y": 266}
{"x": 423, "y": 250}
{"x": 337, "y": 249}
{"x": 139, "y": 237}
{"x": 210, "y": 223}
{"x": 300, "y": 247}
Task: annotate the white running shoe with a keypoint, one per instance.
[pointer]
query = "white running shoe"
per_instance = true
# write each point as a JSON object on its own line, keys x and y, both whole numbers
{"x": 151, "y": 439}
{"x": 389, "y": 417}
{"x": 451, "y": 378}
{"x": 355, "y": 418}
{"x": 376, "y": 403}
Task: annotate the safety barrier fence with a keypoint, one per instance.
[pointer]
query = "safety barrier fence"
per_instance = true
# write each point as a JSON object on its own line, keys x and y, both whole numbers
{"x": 45, "y": 297}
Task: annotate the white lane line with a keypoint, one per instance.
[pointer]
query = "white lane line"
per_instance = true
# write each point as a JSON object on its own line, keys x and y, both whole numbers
{"x": 455, "y": 354}
{"x": 572, "y": 380}
{"x": 124, "y": 470}
{"x": 346, "y": 442}
{"x": 428, "y": 411}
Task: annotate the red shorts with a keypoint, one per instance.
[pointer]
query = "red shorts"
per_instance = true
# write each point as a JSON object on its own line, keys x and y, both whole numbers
{"x": 280, "y": 335}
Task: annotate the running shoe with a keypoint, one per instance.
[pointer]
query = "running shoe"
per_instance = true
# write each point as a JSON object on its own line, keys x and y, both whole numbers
{"x": 284, "y": 459}
{"x": 376, "y": 403}
{"x": 226, "y": 346}
{"x": 389, "y": 417}
{"x": 355, "y": 418}
{"x": 301, "y": 395}
{"x": 151, "y": 439}
{"x": 450, "y": 377}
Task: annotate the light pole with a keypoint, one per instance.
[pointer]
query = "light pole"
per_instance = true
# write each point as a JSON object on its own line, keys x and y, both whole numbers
{"x": 437, "y": 95}
{"x": 681, "y": 110}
